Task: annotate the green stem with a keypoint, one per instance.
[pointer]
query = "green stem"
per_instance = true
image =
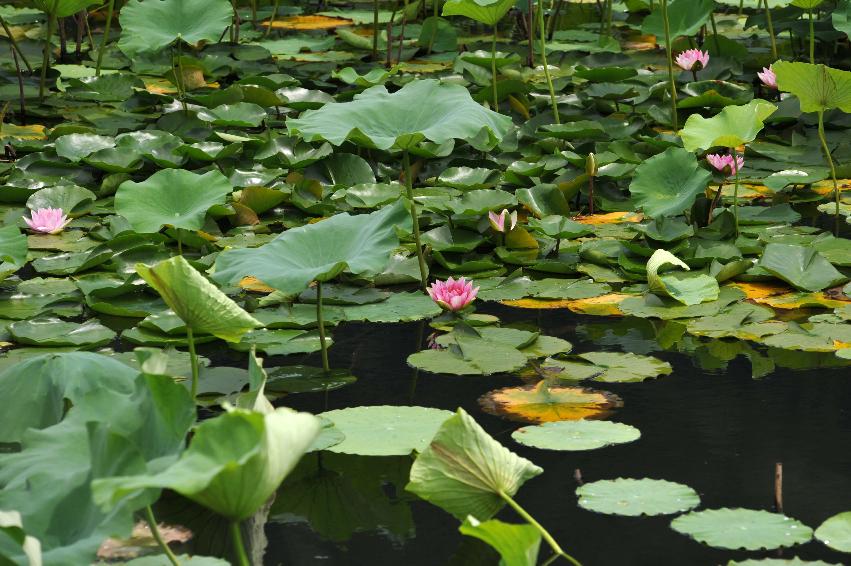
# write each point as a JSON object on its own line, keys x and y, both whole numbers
{"x": 375, "y": 31}
{"x": 543, "y": 32}
{"x": 609, "y": 16}
{"x": 155, "y": 531}
{"x": 238, "y": 547}
{"x": 272, "y": 19}
{"x": 14, "y": 43}
{"x": 832, "y": 168}
{"x": 105, "y": 37}
{"x": 493, "y": 71}
{"x": 812, "y": 40}
{"x": 193, "y": 360}
{"x": 409, "y": 186}
{"x": 770, "y": 26}
{"x": 715, "y": 32}
{"x": 674, "y": 118}
{"x": 181, "y": 84}
{"x": 544, "y": 533}
{"x": 45, "y": 63}
{"x": 736, "y": 189}
{"x": 320, "y": 320}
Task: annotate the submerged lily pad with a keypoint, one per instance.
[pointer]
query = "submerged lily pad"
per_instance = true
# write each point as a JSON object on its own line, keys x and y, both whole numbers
{"x": 742, "y": 529}
{"x": 634, "y": 497}
{"x": 575, "y": 435}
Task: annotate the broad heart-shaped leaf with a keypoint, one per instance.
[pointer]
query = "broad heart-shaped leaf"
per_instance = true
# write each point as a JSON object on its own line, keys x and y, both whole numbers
{"x": 321, "y": 251}
{"x": 199, "y": 303}
{"x": 634, "y": 497}
{"x": 485, "y": 11}
{"x": 835, "y": 532}
{"x": 732, "y": 127}
{"x": 668, "y": 183}
{"x": 687, "y": 289}
{"x": 234, "y": 463}
{"x": 420, "y": 110}
{"x": 803, "y": 267}
{"x": 173, "y": 197}
{"x": 465, "y": 471}
{"x": 742, "y": 528}
{"x": 685, "y": 17}
{"x": 63, "y": 8}
{"x": 817, "y": 87}
{"x": 151, "y": 25}
{"x": 518, "y": 545}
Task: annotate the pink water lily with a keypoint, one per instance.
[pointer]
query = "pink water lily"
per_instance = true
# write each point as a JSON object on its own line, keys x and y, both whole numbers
{"x": 497, "y": 221}
{"x": 453, "y": 295}
{"x": 768, "y": 77}
{"x": 688, "y": 59}
{"x": 47, "y": 220}
{"x": 725, "y": 163}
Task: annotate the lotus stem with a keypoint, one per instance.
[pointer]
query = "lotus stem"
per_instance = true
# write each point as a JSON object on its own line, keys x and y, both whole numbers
{"x": 155, "y": 531}
{"x": 193, "y": 360}
{"x": 374, "y": 30}
{"x": 238, "y": 547}
{"x": 493, "y": 71}
{"x": 544, "y": 533}
{"x": 320, "y": 320}
{"x": 45, "y": 63}
{"x": 552, "y": 21}
{"x": 715, "y": 202}
{"x": 105, "y": 38}
{"x": 591, "y": 194}
{"x": 674, "y": 118}
{"x": 274, "y": 16}
{"x": 543, "y": 31}
{"x": 736, "y": 190}
{"x": 409, "y": 186}
{"x": 829, "y": 158}
{"x": 770, "y": 26}
{"x": 812, "y": 39}
{"x": 20, "y": 85}
{"x": 715, "y": 31}
{"x": 14, "y": 43}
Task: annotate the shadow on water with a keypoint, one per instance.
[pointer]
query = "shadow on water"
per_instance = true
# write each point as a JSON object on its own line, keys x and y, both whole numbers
{"x": 719, "y": 431}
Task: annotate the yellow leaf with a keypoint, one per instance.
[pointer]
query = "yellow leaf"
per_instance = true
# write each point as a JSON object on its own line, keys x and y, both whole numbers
{"x": 542, "y": 403}
{"x": 798, "y": 300}
{"x": 610, "y": 218}
{"x": 31, "y": 132}
{"x": 756, "y": 290}
{"x": 309, "y": 22}
{"x": 255, "y": 285}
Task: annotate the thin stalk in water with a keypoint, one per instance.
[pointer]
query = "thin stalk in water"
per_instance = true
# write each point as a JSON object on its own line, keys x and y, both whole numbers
{"x": 320, "y": 320}
{"x": 238, "y": 547}
{"x": 193, "y": 360}
{"x": 375, "y": 30}
{"x": 493, "y": 71}
{"x": 736, "y": 189}
{"x": 674, "y": 118}
{"x": 812, "y": 39}
{"x": 714, "y": 31}
{"x": 770, "y": 25}
{"x": 829, "y": 158}
{"x": 272, "y": 19}
{"x": 715, "y": 202}
{"x": 105, "y": 38}
{"x": 21, "y": 96}
{"x": 45, "y": 63}
{"x": 543, "y": 32}
{"x": 14, "y": 43}
{"x": 409, "y": 187}
{"x": 155, "y": 531}
{"x": 544, "y": 533}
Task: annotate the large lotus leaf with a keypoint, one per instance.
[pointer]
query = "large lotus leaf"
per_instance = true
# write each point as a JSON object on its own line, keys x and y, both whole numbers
{"x": 817, "y": 87}
{"x": 634, "y": 497}
{"x": 465, "y": 471}
{"x": 321, "y": 251}
{"x": 742, "y": 528}
{"x": 199, "y": 303}
{"x": 668, "y": 183}
{"x": 421, "y": 110}
{"x": 151, "y": 25}
{"x": 385, "y": 430}
{"x": 542, "y": 403}
{"x": 687, "y": 289}
{"x": 575, "y": 435}
{"x": 841, "y": 17}
{"x": 58, "y": 332}
{"x": 835, "y": 532}
{"x": 234, "y": 463}
{"x": 732, "y": 127}
{"x": 803, "y": 267}
{"x": 173, "y": 197}
{"x": 486, "y": 11}
{"x": 518, "y": 545}
{"x": 75, "y": 147}
{"x": 470, "y": 355}
{"x": 63, "y": 8}
{"x": 685, "y": 17}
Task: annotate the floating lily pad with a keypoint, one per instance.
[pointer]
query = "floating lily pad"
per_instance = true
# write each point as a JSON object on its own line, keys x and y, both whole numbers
{"x": 57, "y": 332}
{"x": 742, "y": 529}
{"x": 542, "y": 403}
{"x": 634, "y": 497}
{"x": 836, "y": 532}
{"x": 575, "y": 435}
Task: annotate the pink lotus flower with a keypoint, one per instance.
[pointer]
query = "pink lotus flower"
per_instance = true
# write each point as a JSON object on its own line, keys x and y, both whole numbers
{"x": 688, "y": 59}
{"x": 725, "y": 163}
{"x": 768, "y": 77}
{"x": 453, "y": 295}
{"x": 47, "y": 220}
{"x": 497, "y": 221}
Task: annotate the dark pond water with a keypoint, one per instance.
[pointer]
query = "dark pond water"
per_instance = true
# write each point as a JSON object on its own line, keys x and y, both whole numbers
{"x": 719, "y": 431}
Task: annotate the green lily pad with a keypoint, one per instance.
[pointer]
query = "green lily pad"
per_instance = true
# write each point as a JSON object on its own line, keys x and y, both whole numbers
{"x": 57, "y": 332}
{"x": 835, "y": 532}
{"x": 635, "y": 497}
{"x": 668, "y": 184}
{"x": 742, "y": 529}
{"x": 803, "y": 267}
{"x": 518, "y": 545}
{"x": 575, "y": 435}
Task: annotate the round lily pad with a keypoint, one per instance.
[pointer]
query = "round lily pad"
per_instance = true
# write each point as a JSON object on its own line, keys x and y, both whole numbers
{"x": 575, "y": 435}
{"x": 742, "y": 528}
{"x": 634, "y": 497}
{"x": 542, "y": 403}
{"x": 57, "y": 332}
{"x": 781, "y": 562}
{"x": 836, "y": 532}
{"x": 385, "y": 430}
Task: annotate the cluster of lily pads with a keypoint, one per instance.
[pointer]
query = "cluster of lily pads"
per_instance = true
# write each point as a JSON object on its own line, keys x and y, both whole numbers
{"x": 252, "y": 175}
